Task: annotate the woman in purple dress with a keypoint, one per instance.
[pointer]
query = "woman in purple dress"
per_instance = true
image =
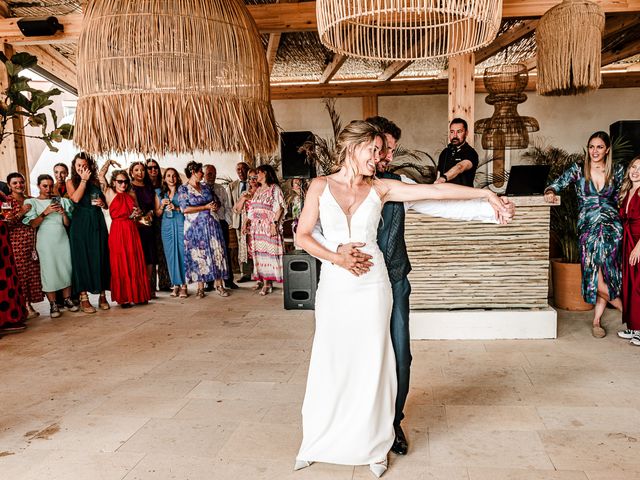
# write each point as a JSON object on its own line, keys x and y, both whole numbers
{"x": 204, "y": 246}
{"x": 146, "y": 196}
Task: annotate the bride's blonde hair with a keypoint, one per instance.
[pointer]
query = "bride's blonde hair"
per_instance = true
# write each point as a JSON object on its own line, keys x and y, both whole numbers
{"x": 356, "y": 133}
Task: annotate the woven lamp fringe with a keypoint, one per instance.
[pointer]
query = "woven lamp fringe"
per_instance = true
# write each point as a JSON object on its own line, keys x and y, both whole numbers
{"x": 569, "y": 43}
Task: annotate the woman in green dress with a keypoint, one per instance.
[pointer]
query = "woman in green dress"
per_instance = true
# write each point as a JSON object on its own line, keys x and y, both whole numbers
{"x": 88, "y": 234}
{"x": 50, "y": 215}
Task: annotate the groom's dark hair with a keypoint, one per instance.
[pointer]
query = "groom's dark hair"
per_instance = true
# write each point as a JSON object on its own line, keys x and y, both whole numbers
{"x": 386, "y": 125}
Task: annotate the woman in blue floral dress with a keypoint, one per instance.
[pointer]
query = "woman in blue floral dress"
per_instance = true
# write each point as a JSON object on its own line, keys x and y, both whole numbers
{"x": 597, "y": 185}
{"x": 204, "y": 246}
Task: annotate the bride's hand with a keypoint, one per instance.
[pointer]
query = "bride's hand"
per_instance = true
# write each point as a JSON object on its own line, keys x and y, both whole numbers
{"x": 503, "y": 207}
{"x": 352, "y": 259}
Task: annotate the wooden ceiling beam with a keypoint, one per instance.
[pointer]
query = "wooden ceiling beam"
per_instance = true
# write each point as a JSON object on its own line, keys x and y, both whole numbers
{"x": 508, "y": 38}
{"x": 629, "y": 50}
{"x": 393, "y": 70}
{"x": 54, "y": 63}
{"x": 274, "y": 42}
{"x": 333, "y": 67}
{"x": 418, "y": 87}
{"x": 293, "y": 17}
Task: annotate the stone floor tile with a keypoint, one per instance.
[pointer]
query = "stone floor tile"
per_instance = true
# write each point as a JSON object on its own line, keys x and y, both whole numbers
{"x": 515, "y": 474}
{"x": 607, "y": 419}
{"x": 492, "y": 418}
{"x": 70, "y": 465}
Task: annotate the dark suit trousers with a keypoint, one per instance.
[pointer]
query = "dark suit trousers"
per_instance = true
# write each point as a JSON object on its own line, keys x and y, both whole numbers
{"x": 401, "y": 342}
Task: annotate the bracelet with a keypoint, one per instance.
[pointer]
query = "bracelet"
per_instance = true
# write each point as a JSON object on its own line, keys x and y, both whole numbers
{"x": 444, "y": 175}
{"x": 82, "y": 180}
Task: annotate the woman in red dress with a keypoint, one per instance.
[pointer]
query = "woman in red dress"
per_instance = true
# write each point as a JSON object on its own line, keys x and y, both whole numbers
{"x": 23, "y": 242}
{"x": 13, "y": 311}
{"x": 630, "y": 215}
{"x": 129, "y": 279}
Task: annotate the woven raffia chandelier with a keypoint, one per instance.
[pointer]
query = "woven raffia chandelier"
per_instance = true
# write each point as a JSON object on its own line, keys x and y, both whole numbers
{"x": 506, "y": 129}
{"x": 569, "y": 42}
{"x": 407, "y": 29}
{"x": 172, "y": 76}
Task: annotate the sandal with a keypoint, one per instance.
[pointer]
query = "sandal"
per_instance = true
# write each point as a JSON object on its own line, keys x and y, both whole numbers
{"x": 598, "y": 332}
{"x": 183, "y": 292}
{"x": 85, "y": 305}
{"x": 102, "y": 302}
{"x": 258, "y": 286}
{"x": 200, "y": 293}
{"x": 266, "y": 290}
{"x": 223, "y": 292}
{"x": 174, "y": 291}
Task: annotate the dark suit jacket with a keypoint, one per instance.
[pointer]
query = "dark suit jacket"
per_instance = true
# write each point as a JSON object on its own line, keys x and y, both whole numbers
{"x": 391, "y": 237}
{"x": 4, "y": 188}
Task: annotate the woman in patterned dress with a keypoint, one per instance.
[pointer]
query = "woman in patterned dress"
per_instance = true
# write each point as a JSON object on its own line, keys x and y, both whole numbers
{"x": 23, "y": 243}
{"x": 203, "y": 241}
{"x": 12, "y": 302}
{"x": 597, "y": 185}
{"x": 242, "y": 208}
{"x": 265, "y": 212}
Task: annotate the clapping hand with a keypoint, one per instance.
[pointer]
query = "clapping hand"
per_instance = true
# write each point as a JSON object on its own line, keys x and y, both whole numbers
{"x": 353, "y": 259}
{"x": 504, "y": 208}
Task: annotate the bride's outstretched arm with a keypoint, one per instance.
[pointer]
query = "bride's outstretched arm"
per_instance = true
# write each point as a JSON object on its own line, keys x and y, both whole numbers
{"x": 396, "y": 191}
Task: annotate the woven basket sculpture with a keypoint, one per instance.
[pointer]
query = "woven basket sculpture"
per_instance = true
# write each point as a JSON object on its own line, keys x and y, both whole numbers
{"x": 506, "y": 129}
{"x": 172, "y": 76}
{"x": 569, "y": 42}
{"x": 407, "y": 29}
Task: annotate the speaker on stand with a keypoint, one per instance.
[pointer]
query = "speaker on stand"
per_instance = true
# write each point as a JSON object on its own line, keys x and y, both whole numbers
{"x": 301, "y": 274}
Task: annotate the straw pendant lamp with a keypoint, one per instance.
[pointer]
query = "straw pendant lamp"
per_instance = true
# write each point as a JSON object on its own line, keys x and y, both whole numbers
{"x": 569, "y": 43}
{"x": 172, "y": 76}
{"x": 399, "y": 30}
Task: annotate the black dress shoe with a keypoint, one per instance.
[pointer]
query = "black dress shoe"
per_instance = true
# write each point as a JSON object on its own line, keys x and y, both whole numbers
{"x": 231, "y": 285}
{"x": 244, "y": 279}
{"x": 400, "y": 445}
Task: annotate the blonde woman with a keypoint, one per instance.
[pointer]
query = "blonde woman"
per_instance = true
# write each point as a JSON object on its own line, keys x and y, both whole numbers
{"x": 597, "y": 184}
{"x": 349, "y": 405}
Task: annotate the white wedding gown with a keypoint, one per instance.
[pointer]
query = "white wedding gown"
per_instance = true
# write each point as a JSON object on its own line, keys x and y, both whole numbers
{"x": 348, "y": 410}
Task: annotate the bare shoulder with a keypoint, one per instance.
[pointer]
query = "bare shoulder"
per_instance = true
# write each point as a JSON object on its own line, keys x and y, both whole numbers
{"x": 317, "y": 185}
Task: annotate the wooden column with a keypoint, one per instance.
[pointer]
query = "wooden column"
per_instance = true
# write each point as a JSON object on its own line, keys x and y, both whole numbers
{"x": 369, "y": 106}
{"x": 13, "y": 151}
{"x": 462, "y": 89}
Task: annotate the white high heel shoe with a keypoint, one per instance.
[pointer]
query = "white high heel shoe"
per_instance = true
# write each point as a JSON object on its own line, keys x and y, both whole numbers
{"x": 300, "y": 464}
{"x": 378, "y": 468}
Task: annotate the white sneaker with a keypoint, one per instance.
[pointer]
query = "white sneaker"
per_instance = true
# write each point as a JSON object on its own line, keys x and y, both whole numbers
{"x": 628, "y": 334}
{"x": 635, "y": 340}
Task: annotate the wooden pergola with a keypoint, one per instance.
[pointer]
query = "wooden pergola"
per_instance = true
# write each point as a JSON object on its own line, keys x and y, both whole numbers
{"x": 288, "y": 16}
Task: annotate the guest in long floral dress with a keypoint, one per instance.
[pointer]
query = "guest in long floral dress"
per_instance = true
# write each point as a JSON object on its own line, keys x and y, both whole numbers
{"x": 203, "y": 241}
{"x": 23, "y": 242}
{"x": 265, "y": 212}
{"x": 13, "y": 312}
{"x": 242, "y": 208}
{"x": 597, "y": 184}
{"x": 630, "y": 214}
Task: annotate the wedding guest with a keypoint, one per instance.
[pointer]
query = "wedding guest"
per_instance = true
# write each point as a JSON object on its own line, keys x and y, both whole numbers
{"x": 236, "y": 189}
{"x": 146, "y": 196}
{"x": 630, "y": 215}
{"x": 155, "y": 176}
{"x": 12, "y": 301}
{"x": 223, "y": 214}
{"x": 23, "y": 244}
{"x": 203, "y": 241}
{"x": 241, "y": 209}
{"x": 173, "y": 231}
{"x": 129, "y": 282}
{"x": 597, "y": 185}
{"x": 60, "y": 174}
{"x": 49, "y": 215}
{"x": 88, "y": 234}
{"x": 265, "y": 212}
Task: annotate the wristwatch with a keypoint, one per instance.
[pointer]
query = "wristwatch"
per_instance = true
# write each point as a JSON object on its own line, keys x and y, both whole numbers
{"x": 444, "y": 175}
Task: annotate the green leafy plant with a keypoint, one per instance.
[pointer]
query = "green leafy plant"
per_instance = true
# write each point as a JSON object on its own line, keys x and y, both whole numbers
{"x": 25, "y": 104}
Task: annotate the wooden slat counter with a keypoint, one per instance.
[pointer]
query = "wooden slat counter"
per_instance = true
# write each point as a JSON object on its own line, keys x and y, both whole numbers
{"x": 470, "y": 265}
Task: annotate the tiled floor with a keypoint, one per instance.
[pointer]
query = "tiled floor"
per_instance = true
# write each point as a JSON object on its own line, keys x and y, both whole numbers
{"x": 212, "y": 389}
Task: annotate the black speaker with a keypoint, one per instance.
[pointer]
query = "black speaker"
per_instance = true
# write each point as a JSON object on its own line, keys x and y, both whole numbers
{"x": 39, "y": 27}
{"x": 628, "y": 130}
{"x": 294, "y": 162}
{"x": 301, "y": 274}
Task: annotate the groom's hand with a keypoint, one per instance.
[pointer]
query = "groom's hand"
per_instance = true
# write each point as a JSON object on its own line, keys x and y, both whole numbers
{"x": 354, "y": 260}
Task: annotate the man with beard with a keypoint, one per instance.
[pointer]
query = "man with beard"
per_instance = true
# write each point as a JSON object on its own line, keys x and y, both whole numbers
{"x": 458, "y": 162}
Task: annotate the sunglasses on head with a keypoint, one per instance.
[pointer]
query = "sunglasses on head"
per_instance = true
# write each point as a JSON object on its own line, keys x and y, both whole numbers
{"x": 122, "y": 182}
{"x": 152, "y": 167}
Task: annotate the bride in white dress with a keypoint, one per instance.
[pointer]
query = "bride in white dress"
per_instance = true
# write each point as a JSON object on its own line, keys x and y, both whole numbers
{"x": 349, "y": 405}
